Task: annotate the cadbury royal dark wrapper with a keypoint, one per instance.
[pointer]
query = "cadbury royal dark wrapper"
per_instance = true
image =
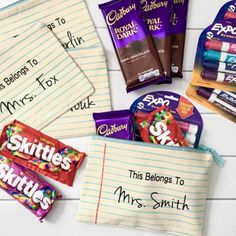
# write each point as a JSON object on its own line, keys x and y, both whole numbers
{"x": 40, "y": 153}
{"x": 160, "y": 127}
{"x": 179, "y": 24}
{"x": 133, "y": 43}
{"x": 158, "y": 15}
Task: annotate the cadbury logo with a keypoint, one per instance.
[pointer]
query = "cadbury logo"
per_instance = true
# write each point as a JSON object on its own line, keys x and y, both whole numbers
{"x": 114, "y": 16}
{"x": 105, "y": 130}
{"x": 153, "y": 5}
{"x": 224, "y": 29}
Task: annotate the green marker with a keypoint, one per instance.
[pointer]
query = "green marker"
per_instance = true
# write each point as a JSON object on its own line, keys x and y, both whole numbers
{"x": 212, "y": 55}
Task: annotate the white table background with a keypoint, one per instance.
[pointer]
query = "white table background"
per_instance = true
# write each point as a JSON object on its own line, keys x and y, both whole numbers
{"x": 219, "y": 133}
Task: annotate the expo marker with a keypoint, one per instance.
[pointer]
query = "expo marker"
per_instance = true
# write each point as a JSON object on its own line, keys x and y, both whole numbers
{"x": 212, "y": 97}
{"x": 219, "y": 56}
{"x": 230, "y": 15}
{"x": 220, "y": 66}
{"x": 219, "y": 77}
{"x": 191, "y": 138}
{"x": 228, "y": 97}
{"x": 217, "y": 45}
{"x": 188, "y": 128}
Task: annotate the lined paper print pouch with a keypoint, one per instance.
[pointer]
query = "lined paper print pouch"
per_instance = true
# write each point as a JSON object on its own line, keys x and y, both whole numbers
{"x": 39, "y": 80}
{"x": 71, "y": 23}
{"x": 146, "y": 186}
{"x": 79, "y": 120}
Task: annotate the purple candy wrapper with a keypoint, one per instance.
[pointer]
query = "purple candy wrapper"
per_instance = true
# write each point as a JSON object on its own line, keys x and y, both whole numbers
{"x": 179, "y": 24}
{"x": 27, "y": 188}
{"x": 114, "y": 124}
{"x": 133, "y": 43}
{"x": 158, "y": 16}
{"x": 184, "y": 112}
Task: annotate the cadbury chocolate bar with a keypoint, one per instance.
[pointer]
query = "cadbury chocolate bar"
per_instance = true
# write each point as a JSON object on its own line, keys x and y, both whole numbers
{"x": 133, "y": 43}
{"x": 158, "y": 16}
{"x": 40, "y": 153}
{"x": 114, "y": 124}
{"x": 179, "y": 23}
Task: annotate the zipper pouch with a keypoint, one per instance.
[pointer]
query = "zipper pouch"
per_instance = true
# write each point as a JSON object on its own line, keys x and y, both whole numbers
{"x": 146, "y": 186}
{"x": 79, "y": 120}
{"x": 71, "y": 23}
{"x": 38, "y": 77}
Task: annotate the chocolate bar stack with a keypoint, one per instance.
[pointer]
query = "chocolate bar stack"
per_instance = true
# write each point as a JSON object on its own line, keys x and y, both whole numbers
{"x": 149, "y": 39}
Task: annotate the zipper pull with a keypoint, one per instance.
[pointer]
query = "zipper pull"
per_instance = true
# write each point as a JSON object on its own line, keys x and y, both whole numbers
{"x": 217, "y": 158}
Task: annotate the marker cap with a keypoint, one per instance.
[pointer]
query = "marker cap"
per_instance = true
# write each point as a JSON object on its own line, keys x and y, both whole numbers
{"x": 211, "y": 64}
{"x": 209, "y": 75}
{"x": 191, "y": 138}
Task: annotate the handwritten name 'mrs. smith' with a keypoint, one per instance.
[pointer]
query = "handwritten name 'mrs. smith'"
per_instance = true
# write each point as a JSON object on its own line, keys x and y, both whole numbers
{"x": 124, "y": 197}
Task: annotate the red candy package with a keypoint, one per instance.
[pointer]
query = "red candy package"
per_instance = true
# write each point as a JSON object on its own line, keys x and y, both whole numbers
{"x": 160, "y": 127}
{"x": 40, "y": 153}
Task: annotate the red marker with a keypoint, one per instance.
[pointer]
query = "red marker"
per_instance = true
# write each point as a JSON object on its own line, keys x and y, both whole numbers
{"x": 217, "y": 45}
{"x": 230, "y": 15}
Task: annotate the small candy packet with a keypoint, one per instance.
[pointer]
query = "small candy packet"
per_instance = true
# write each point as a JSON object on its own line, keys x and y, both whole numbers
{"x": 179, "y": 25}
{"x": 27, "y": 188}
{"x": 216, "y": 56}
{"x": 40, "y": 153}
{"x": 133, "y": 43}
{"x": 160, "y": 127}
{"x": 158, "y": 15}
{"x": 219, "y": 101}
{"x": 185, "y": 113}
{"x": 114, "y": 124}
{"x": 227, "y": 11}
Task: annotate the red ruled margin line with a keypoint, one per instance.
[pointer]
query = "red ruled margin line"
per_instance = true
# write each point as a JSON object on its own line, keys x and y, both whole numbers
{"x": 101, "y": 184}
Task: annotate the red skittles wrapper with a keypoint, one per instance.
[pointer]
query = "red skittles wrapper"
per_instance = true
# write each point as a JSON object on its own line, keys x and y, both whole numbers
{"x": 40, "y": 153}
{"x": 160, "y": 127}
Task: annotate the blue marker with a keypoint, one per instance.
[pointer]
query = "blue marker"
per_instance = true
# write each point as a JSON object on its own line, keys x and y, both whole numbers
{"x": 220, "y": 66}
{"x": 212, "y": 55}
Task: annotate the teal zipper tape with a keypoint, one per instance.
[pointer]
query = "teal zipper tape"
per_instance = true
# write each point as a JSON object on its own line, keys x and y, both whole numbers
{"x": 202, "y": 149}
{"x": 217, "y": 158}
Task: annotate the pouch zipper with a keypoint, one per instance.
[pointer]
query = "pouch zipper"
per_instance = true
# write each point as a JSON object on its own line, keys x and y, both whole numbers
{"x": 217, "y": 158}
{"x": 201, "y": 149}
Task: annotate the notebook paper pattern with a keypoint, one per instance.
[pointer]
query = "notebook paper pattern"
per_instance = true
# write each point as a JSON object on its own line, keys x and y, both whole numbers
{"x": 79, "y": 120}
{"x": 145, "y": 186}
{"x": 39, "y": 80}
{"x": 71, "y": 23}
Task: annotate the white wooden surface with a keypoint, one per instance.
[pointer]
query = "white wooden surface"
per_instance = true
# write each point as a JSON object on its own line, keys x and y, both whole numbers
{"x": 219, "y": 133}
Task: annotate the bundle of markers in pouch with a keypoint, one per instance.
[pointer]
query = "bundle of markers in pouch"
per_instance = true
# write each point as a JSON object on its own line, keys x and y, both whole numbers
{"x": 214, "y": 76}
